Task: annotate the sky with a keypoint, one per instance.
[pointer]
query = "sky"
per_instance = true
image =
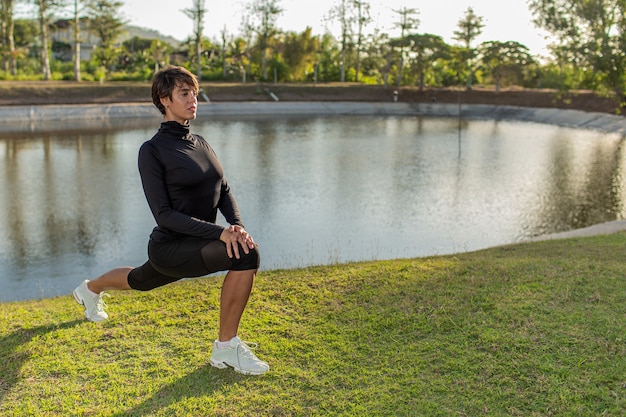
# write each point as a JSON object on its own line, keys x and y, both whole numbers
{"x": 506, "y": 20}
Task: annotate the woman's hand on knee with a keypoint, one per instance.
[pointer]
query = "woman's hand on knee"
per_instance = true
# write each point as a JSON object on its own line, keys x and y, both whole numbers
{"x": 245, "y": 238}
{"x": 235, "y": 236}
{"x": 230, "y": 238}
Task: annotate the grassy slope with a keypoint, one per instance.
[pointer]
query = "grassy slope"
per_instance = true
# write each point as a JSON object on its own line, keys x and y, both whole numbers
{"x": 524, "y": 330}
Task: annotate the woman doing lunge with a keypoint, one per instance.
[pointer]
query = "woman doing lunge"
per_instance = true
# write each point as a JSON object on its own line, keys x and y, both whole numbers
{"x": 185, "y": 187}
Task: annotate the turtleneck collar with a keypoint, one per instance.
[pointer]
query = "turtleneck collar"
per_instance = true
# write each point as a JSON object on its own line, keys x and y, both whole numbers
{"x": 175, "y": 129}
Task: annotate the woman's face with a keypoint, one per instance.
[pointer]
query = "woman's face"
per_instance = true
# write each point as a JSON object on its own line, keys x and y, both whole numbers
{"x": 182, "y": 106}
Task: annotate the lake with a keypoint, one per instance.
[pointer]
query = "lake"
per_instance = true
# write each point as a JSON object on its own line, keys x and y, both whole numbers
{"x": 316, "y": 190}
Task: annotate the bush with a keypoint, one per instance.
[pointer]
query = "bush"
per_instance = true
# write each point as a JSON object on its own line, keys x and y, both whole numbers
{"x": 212, "y": 74}
{"x": 62, "y": 70}
{"x": 86, "y": 76}
{"x": 142, "y": 75}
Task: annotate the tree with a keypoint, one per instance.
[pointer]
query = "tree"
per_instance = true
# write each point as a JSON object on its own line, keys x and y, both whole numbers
{"x": 593, "y": 32}
{"x": 407, "y": 22}
{"x": 104, "y": 21}
{"x": 244, "y": 45}
{"x": 139, "y": 54}
{"x": 224, "y": 50}
{"x": 77, "y": 41}
{"x": 505, "y": 58}
{"x": 45, "y": 10}
{"x": 341, "y": 13}
{"x": 426, "y": 50}
{"x": 363, "y": 18}
{"x": 266, "y": 13}
{"x": 160, "y": 52}
{"x": 196, "y": 13}
{"x": 326, "y": 68}
{"x": 470, "y": 27}
{"x": 380, "y": 58}
{"x": 239, "y": 57}
{"x": 300, "y": 53}
{"x": 9, "y": 53}
{"x": 26, "y": 33}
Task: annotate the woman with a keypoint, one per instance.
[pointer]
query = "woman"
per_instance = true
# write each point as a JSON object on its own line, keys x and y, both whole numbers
{"x": 185, "y": 187}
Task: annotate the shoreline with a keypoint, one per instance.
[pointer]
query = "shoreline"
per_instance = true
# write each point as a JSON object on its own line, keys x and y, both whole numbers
{"x": 607, "y": 228}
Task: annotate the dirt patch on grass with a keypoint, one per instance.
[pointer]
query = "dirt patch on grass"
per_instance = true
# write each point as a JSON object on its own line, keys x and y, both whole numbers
{"x": 14, "y": 93}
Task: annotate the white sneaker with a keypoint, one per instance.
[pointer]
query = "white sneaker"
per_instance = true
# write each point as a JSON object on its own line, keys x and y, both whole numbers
{"x": 239, "y": 356}
{"x": 94, "y": 304}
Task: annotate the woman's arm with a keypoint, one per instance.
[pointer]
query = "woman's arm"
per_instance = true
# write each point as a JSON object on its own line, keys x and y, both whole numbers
{"x": 227, "y": 205}
{"x": 152, "y": 174}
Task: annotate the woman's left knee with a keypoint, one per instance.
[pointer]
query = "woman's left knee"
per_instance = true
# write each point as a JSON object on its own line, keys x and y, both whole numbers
{"x": 250, "y": 260}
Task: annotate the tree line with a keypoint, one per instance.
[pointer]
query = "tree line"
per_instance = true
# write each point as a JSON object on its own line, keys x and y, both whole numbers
{"x": 588, "y": 52}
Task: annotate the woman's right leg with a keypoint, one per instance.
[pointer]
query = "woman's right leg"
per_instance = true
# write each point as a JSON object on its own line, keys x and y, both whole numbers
{"x": 143, "y": 278}
{"x": 115, "y": 279}
{"x": 90, "y": 293}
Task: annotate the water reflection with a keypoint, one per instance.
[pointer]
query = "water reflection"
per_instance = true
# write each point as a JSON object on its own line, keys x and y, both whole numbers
{"x": 312, "y": 191}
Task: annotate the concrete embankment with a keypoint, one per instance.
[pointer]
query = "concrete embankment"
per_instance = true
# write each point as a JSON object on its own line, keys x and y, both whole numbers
{"x": 42, "y": 118}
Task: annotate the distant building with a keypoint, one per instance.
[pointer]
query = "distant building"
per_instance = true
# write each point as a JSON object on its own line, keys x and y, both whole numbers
{"x": 62, "y": 39}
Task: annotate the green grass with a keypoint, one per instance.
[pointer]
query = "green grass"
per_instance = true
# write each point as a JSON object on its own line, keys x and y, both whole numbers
{"x": 533, "y": 329}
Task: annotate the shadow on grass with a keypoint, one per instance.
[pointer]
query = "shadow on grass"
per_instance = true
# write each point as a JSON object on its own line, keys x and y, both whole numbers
{"x": 13, "y": 360}
{"x": 203, "y": 381}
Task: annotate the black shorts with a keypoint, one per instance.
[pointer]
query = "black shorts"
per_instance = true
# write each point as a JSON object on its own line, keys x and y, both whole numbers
{"x": 186, "y": 258}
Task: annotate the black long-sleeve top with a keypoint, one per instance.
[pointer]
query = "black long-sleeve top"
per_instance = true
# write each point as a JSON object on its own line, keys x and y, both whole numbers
{"x": 184, "y": 184}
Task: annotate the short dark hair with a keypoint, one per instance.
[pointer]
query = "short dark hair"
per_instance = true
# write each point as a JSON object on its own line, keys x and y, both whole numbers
{"x": 170, "y": 77}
